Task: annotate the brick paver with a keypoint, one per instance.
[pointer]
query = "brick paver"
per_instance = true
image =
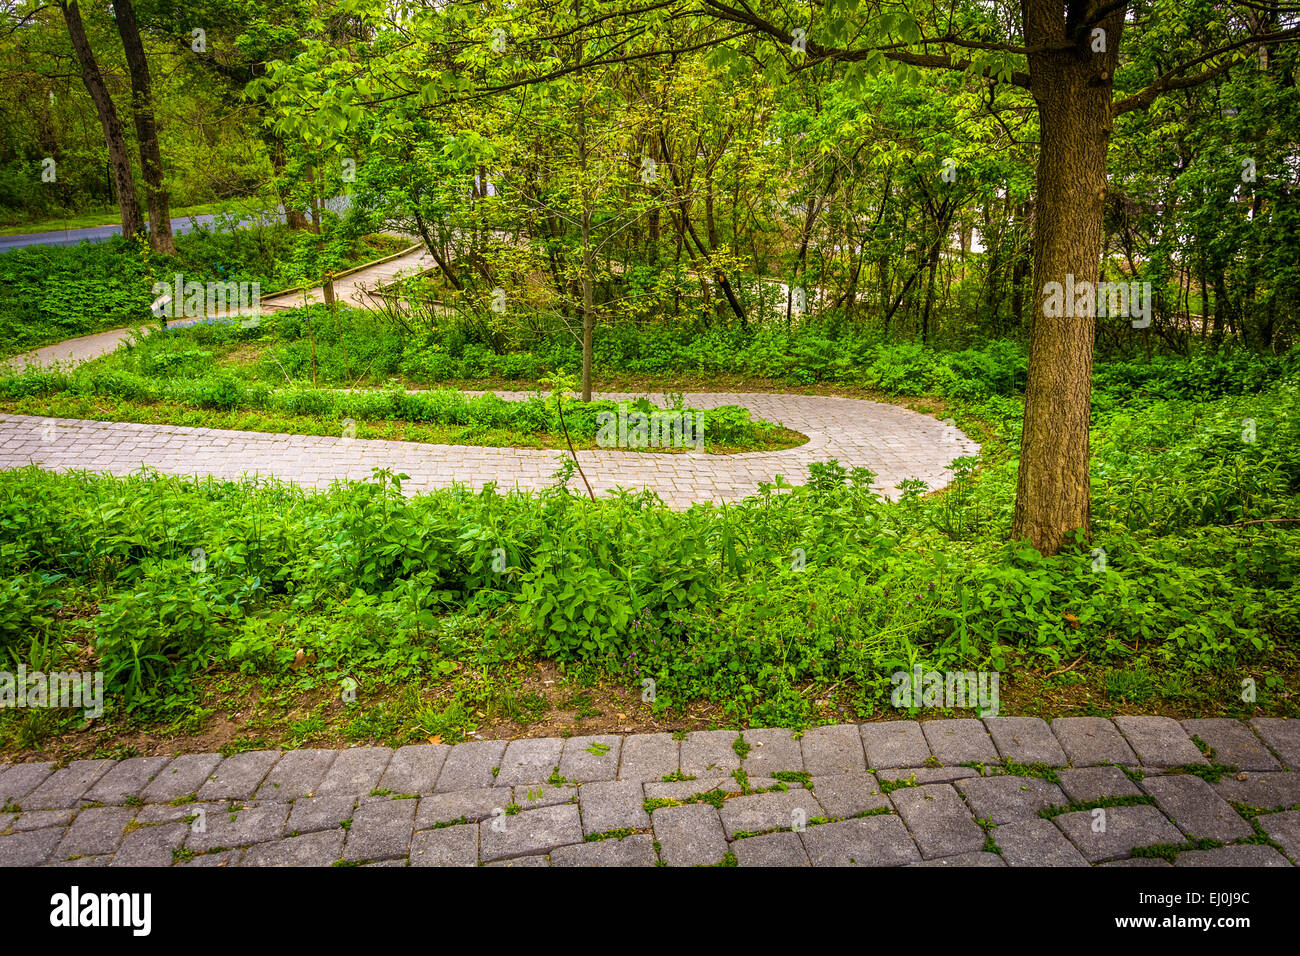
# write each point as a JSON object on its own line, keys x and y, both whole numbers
{"x": 446, "y": 807}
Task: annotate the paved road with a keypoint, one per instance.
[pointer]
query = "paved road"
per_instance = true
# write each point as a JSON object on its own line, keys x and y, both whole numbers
{"x": 893, "y": 442}
{"x": 180, "y": 226}
{"x": 72, "y": 237}
{"x": 934, "y": 793}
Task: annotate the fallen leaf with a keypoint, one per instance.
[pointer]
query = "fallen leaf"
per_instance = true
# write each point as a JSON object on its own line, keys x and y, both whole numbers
{"x": 436, "y": 739}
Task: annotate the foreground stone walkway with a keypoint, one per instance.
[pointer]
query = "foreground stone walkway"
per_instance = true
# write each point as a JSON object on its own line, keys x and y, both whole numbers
{"x": 893, "y": 442}
{"x": 1009, "y": 791}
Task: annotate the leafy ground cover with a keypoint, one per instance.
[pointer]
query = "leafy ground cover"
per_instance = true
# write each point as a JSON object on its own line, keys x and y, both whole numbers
{"x": 51, "y": 293}
{"x": 458, "y": 613}
{"x": 180, "y": 377}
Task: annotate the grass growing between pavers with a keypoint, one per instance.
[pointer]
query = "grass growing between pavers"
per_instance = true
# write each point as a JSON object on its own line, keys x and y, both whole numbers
{"x": 1013, "y": 768}
{"x": 816, "y": 821}
{"x": 1170, "y": 851}
{"x": 889, "y": 786}
{"x": 715, "y": 797}
{"x": 619, "y": 834}
{"x": 1252, "y": 815}
{"x": 1105, "y": 803}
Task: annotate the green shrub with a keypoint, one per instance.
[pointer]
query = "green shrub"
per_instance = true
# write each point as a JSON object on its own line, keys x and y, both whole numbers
{"x": 162, "y": 628}
{"x": 27, "y": 603}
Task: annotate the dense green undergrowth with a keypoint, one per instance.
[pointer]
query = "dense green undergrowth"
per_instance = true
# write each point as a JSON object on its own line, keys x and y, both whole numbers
{"x": 312, "y": 346}
{"x": 756, "y": 605}
{"x": 222, "y": 400}
{"x": 831, "y": 349}
{"x": 51, "y": 293}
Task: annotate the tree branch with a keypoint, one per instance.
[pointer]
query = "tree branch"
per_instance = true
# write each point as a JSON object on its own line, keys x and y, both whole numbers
{"x": 890, "y": 51}
{"x": 1173, "y": 80}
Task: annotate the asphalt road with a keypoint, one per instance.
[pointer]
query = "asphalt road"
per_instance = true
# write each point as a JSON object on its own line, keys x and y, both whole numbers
{"x": 180, "y": 226}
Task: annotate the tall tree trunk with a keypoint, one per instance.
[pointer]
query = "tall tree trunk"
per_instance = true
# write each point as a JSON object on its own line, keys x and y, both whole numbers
{"x": 1072, "y": 90}
{"x": 146, "y": 129}
{"x": 118, "y": 157}
{"x": 588, "y": 306}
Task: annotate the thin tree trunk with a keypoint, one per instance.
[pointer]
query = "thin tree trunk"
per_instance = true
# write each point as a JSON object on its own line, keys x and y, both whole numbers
{"x": 118, "y": 158}
{"x": 443, "y": 265}
{"x": 929, "y": 293}
{"x": 293, "y": 216}
{"x": 688, "y": 230}
{"x": 146, "y": 130}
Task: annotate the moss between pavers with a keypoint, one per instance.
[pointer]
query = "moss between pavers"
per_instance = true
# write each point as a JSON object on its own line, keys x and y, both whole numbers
{"x": 1170, "y": 851}
{"x": 617, "y": 834}
{"x": 814, "y": 822}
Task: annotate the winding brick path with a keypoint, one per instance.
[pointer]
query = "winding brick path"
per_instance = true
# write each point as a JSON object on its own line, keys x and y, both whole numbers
{"x": 893, "y": 442}
{"x": 937, "y": 793}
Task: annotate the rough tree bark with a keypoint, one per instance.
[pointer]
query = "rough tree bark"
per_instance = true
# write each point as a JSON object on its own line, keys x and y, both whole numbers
{"x": 1072, "y": 90}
